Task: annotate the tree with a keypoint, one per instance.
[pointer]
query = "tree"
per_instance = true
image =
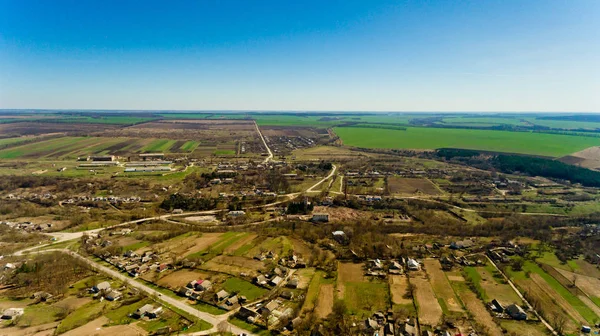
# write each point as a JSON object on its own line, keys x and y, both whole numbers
{"x": 223, "y": 328}
{"x": 517, "y": 264}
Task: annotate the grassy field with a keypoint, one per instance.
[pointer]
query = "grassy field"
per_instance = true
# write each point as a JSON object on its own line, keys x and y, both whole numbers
{"x": 244, "y": 288}
{"x": 553, "y": 145}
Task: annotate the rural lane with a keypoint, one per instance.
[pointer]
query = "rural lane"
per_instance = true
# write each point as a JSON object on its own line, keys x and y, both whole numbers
{"x": 265, "y": 143}
{"x": 333, "y": 168}
{"x": 522, "y": 297}
{"x": 215, "y": 320}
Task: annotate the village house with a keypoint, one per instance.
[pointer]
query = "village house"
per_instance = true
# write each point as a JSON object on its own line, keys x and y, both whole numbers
{"x": 232, "y": 300}
{"x": 103, "y": 286}
{"x": 236, "y": 213}
{"x": 221, "y": 295}
{"x": 12, "y": 313}
{"x": 320, "y": 217}
{"x": 113, "y": 295}
{"x": 261, "y": 280}
{"x": 142, "y": 311}
{"x": 413, "y": 265}
{"x": 516, "y": 312}
{"x": 275, "y": 281}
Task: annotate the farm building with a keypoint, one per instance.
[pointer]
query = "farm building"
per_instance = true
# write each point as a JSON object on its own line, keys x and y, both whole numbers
{"x": 320, "y": 217}
{"x": 152, "y": 156}
{"x": 203, "y": 285}
{"x": 275, "y": 281}
{"x": 103, "y": 158}
{"x": 516, "y": 312}
{"x": 236, "y": 213}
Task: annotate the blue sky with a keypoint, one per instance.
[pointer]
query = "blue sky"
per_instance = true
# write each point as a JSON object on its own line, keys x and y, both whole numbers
{"x": 367, "y": 55}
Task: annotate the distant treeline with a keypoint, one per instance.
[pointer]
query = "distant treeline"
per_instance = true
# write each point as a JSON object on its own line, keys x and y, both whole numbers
{"x": 577, "y": 117}
{"x": 532, "y": 166}
{"x": 374, "y": 125}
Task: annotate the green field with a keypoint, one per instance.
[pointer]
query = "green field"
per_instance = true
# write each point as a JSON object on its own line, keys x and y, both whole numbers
{"x": 482, "y": 121}
{"x": 326, "y": 120}
{"x": 244, "y": 288}
{"x": 553, "y": 145}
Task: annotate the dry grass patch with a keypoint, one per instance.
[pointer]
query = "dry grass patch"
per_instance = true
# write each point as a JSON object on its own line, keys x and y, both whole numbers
{"x": 428, "y": 308}
{"x": 399, "y": 289}
{"x": 96, "y": 328}
{"x": 324, "y": 301}
{"x": 233, "y": 265}
{"x": 441, "y": 286}
{"x": 403, "y": 185}
{"x": 180, "y": 278}
{"x": 478, "y": 311}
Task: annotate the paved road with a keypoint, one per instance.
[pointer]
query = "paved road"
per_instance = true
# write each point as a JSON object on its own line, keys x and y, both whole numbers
{"x": 215, "y": 320}
{"x": 265, "y": 143}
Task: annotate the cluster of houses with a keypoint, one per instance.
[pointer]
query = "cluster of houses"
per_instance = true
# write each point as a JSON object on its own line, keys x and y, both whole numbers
{"x": 105, "y": 291}
{"x": 109, "y": 199}
{"x": 380, "y": 268}
{"x": 292, "y": 261}
{"x": 31, "y": 197}
{"x": 272, "y": 279}
{"x": 384, "y": 324}
{"x": 271, "y": 313}
{"x": 195, "y": 289}
{"x": 132, "y": 263}
{"x": 512, "y": 311}
{"x": 27, "y": 226}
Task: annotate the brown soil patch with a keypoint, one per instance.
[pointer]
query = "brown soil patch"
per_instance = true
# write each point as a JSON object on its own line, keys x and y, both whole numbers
{"x": 180, "y": 278}
{"x": 73, "y": 302}
{"x": 188, "y": 245}
{"x": 499, "y": 291}
{"x": 588, "y": 269}
{"x": 300, "y": 248}
{"x": 586, "y": 300}
{"x": 589, "y": 285}
{"x": 324, "y": 301}
{"x": 403, "y": 185}
{"x": 342, "y": 213}
{"x": 39, "y": 330}
{"x": 95, "y": 327}
{"x": 441, "y": 286}
{"x": 233, "y": 247}
{"x": 350, "y": 272}
{"x": 480, "y": 313}
{"x": 587, "y": 158}
{"x": 398, "y": 289}
{"x": 233, "y": 265}
{"x": 429, "y": 310}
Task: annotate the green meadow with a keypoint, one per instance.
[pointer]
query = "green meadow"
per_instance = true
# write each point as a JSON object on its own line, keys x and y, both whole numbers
{"x": 553, "y": 145}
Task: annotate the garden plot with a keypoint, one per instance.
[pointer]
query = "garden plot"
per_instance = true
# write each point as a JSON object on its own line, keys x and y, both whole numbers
{"x": 428, "y": 307}
{"x": 441, "y": 286}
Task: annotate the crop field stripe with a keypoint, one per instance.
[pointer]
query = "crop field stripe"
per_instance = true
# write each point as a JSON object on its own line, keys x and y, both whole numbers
{"x": 574, "y": 301}
{"x": 500, "y": 141}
